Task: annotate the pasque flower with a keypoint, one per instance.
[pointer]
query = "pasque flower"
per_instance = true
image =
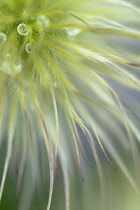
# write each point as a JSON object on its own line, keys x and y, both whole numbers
{"x": 58, "y": 61}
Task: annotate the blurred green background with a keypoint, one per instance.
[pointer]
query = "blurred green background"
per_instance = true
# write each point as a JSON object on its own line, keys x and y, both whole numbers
{"x": 114, "y": 193}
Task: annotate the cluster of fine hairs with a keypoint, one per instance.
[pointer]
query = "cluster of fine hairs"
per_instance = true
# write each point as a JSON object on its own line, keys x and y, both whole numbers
{"x": 61, "y": 62}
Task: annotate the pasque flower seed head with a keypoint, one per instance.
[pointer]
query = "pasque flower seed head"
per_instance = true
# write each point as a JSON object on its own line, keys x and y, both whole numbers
{"x": 57, "y": 63}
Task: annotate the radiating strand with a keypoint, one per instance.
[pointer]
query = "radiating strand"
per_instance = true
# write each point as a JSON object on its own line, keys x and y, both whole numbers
{"x": 66, "y": 179}
{"x": 85, "y": 130}
{"x": 60, "y": 74}
{"x": 98, "y": 164}
{"x": 127, "y": 5}
{"x": 48, "y": 147}
{"x": 55, "y": 9}
{"x": 82, "y": 112}
{"x": 91, "y": 73}
{"x": 11, "y": 131}
{"x": 40, "y": 69}
{"x": 6, "y": 164}
{"x": 57, "y": 129}
{"x": 104, "y": 60}
{"x": 72, "y": 126}
{"x": 80, "y": 144}
{"x": 2, "y": 106}
{"x": 89, "y": 137}
{"x": 108, "y": 55}
{"x": 102, "y": 29}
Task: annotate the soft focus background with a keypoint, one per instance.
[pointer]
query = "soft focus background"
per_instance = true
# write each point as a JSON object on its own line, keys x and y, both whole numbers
{"x": 114, "y": 193}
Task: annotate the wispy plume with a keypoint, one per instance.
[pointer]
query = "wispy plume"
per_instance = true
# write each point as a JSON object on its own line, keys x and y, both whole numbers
{"x": 58, "y": 61}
